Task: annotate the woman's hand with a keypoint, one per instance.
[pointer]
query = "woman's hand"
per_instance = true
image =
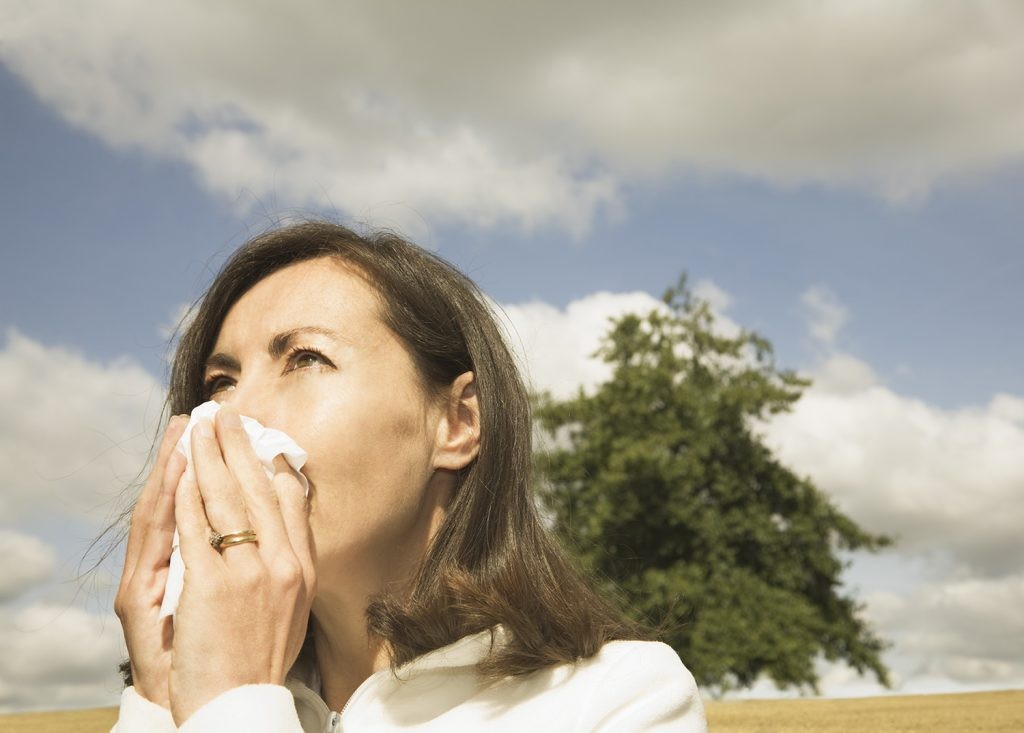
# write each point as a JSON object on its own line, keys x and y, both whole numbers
{"x": 243, "y": 612}
{"x": 141, "y": 590}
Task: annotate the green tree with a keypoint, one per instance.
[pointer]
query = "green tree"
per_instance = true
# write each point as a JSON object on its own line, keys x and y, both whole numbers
{"x": 660, "y": 485}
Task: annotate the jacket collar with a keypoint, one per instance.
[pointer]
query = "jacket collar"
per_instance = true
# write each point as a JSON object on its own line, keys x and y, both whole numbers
{"x": 467, "y": 651}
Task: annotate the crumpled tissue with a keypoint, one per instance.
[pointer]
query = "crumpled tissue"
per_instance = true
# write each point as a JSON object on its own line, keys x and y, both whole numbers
{"x": 268, "y": 444}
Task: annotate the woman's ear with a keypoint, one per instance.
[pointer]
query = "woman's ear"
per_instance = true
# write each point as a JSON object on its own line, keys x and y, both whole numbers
{"x": 458, "y": 430}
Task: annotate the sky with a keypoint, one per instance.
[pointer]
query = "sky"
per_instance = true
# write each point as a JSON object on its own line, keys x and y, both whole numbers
{"x": 843, "y": 178}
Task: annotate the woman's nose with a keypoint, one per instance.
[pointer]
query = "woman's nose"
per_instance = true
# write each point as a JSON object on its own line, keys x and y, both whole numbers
{"x": 251, "y": 399}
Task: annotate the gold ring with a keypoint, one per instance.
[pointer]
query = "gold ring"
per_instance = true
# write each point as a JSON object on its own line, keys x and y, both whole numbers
{"x": 218, "y": 540}
{"x": 237, "y": 541}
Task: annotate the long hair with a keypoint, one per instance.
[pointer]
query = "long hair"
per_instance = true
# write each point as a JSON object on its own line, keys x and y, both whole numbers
{"x": 491, "y": 561}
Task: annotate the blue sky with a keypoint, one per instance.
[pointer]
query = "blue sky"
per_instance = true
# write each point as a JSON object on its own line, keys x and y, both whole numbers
{"x": 866, "y": 221}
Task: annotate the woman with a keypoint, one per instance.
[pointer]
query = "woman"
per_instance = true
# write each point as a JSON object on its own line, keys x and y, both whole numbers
{"x": 416, "y": 588}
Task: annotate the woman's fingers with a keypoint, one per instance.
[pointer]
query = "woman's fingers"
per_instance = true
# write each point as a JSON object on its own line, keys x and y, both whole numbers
{"x": 193, "y": 527}
{"x": 294, "y": 509}
{"x": 156, "y": 549}
{"x": 260, "y": 499}
{"x": 224, "y": 505}
{"x": 294, "y": 512}
{"x": 147, "y": 501}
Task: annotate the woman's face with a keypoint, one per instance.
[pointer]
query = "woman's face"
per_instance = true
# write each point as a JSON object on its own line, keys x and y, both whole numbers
{"x": 305, "y": 351}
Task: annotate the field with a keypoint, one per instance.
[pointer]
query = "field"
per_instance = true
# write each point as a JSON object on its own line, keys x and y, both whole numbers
{"x": 95, "y": 720}
{"x": 982, "y": 712}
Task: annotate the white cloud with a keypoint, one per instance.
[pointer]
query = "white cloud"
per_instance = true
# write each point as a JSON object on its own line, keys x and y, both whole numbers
{"x": 958, "y": 631}
{"x": 73, "y": 433}
{"x": 1008, "y": 407}
{"x": 945, "y": 482}
{"x": 826, "y": 316}
{"x": 54, "y": 656}
{"x": 965, "y": 618}
{"x": 442, "y": 110}
{"x": 556, "y": 347}
{"x": 842, "y": 374}
{"x": 719, "y": 302}
{"x": 28, "y": 561}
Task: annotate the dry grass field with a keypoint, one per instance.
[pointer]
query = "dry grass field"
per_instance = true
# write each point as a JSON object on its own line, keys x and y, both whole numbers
{"x": 979, "y": 712}
{"x": 982, "y": 712}
{"x": 94, "y": 720}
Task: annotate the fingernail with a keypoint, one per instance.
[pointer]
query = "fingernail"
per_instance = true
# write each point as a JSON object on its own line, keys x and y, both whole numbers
{"x": 205, "y": 428}
{"x": 229, "y": 417}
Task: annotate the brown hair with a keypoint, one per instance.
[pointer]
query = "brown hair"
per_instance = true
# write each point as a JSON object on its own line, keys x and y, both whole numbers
{"x": 491, "y": 561}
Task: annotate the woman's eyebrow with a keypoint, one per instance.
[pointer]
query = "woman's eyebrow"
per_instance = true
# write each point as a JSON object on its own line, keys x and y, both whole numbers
{"x": 279, "y": 344}
{"x": 276, "y": 348}
{"x": 222, "y": 361}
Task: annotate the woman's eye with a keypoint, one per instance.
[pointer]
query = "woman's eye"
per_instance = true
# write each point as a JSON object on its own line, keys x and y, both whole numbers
{"x": 216, "y": 384}
{"x": 305, "y": 358}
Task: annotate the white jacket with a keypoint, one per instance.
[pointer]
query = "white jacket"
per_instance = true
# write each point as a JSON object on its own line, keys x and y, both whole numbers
{"x": 627, "y": 687}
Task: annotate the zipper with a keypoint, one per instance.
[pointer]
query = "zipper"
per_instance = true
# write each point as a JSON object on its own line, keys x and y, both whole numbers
{"x": 300, "y": 690}
{"x": 334, "y": 720}
{"x": 360, "y": 691}
{"x": 333, "y": 723}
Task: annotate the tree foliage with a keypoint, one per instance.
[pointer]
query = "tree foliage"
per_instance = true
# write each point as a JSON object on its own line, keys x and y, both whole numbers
{"x": 659, "y": 483}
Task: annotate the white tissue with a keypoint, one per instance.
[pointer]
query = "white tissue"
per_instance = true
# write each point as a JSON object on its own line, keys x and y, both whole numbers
{"x": 268, "y": 444}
